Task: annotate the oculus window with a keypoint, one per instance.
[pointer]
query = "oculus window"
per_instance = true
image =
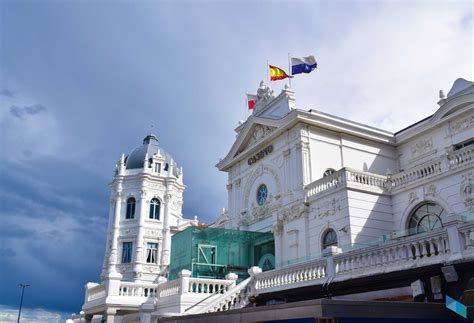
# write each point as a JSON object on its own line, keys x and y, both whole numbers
{"x": 155, "y": 209}
{"x": 262, "y": 194}
{"x": 329, "y": 239}
{"x": 426, "y": 217}
{"x": 127, "y": 252}
{"x": 130, "y": 214}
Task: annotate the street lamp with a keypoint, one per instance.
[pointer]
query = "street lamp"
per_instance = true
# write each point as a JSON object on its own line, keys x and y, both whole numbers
{"x": 21, "y": 300}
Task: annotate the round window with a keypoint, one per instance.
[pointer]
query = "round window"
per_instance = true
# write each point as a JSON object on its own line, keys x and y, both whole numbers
{"x": 262, "y": 193}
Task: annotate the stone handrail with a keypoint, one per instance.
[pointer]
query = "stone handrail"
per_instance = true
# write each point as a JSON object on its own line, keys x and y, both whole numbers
{"x": 347, "y": 177}
{"x": 343, "y": 177}
{"x": 414, "y": 174}
{"x": 311, "y": 270}
{"x": 452, "y": 160}
{"x": 432, "y": 247}
{"x": 460, "y": 157}
{"x": 169, "y": 288}
{"x": 232, "y": 298}
{"x": 138, "y": 289}
{"x": 208, "y": 285}
{"x": 95, "y": 292}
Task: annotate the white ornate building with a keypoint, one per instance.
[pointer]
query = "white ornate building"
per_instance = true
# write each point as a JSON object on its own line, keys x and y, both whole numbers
{"x": 350, "y": 206}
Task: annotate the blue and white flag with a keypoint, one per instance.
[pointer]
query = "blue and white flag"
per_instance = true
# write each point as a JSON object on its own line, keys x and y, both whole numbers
{"x": 303, "y": 65}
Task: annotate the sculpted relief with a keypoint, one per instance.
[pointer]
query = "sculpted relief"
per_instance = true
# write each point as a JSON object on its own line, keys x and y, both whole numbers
{"x": 260, "y": 132}
{"x": 462, "y": 124}
{"x": 421, "y": 147}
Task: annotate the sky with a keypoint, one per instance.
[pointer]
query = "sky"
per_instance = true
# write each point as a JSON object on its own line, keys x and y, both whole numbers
{"x": 82, "y": 82}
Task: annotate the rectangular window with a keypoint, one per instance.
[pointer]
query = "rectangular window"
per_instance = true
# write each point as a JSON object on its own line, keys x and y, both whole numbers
{"x": 127, "y": 252}
{"x": 152, "y": 252}
{"x": 157, "y": 168}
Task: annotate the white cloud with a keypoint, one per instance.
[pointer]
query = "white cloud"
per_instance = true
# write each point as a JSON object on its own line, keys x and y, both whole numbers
{"x": 386, "y": 69}
{"x": 9, "y": 314}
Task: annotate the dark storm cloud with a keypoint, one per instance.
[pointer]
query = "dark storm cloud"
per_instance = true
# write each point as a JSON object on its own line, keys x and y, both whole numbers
{"x": 8, "y": 93}
{"x": 21, "y": 112}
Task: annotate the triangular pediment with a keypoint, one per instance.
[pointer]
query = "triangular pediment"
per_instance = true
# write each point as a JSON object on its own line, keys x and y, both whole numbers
{"x": 256, "y": 134}
{"x": 254, "y": 131}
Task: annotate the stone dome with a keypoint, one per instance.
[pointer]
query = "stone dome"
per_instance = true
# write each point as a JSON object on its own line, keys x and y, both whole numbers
{"x": 149, "y": 148}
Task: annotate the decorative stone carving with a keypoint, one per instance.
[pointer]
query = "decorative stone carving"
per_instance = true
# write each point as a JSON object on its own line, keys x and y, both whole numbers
{"x": 430, "y": 191}
{"x": 122, "y": 268}
{"x": 229, "y": 186}
{"x": 412, "y": 197}
{"x": 260, "y": 132}
{"x": 462, "y": 124}
{"x": 261, "y": 169}
{"x": 128, "y": 232}
{"x": 151, "y": 268}
{"x": 421, "y": 147}
{"x": 277, "y": 228}
{"x": 153, "y": 233}
{"x": 328, "y": 207}
{"x": 143, "y": 194}
{"x": 467, "y": 190}
{"x": 264, "y": 93}
{"x": 293, "y": 213}
{"x": 237, "y": 182}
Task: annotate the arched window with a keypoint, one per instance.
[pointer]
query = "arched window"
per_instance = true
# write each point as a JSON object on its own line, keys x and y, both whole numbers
{"x": 155, "y": 209}
{"x": 130, "y": 208}
{"x": 329, "y": 238}
{"x": 329, "y": 171}
{"x": 426, "y": 217}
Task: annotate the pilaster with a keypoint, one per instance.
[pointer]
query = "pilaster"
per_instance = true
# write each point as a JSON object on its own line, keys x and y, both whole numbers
{"x": 115, "y": 235}
{"x": 141, "y": 232}
{"x": 165, "y": 256}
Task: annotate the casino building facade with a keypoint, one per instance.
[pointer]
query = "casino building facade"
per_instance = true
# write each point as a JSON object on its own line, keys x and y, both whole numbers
{"x": 356, "y": 213}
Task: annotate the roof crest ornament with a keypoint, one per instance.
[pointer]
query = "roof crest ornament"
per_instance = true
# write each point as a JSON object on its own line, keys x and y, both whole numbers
{"x": 264, "y": 95}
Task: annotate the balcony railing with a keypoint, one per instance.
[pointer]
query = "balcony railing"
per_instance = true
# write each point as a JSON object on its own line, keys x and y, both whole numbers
{"x": 351, "y": 178}
{"x": 454, "y": 241}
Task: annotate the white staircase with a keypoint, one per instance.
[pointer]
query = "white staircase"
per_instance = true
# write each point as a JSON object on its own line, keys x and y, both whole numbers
{"x": 234, "y": 298}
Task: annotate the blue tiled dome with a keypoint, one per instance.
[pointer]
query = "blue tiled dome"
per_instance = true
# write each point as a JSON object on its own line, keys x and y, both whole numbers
{"x": 150, "y": 146}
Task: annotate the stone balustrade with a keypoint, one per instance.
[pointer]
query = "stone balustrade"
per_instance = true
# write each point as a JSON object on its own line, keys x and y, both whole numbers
{"x": 411, "y": 251}
{"x": 138, "y": 289}
{"x": 209, "y": 286}
{"x": 347, "y": 177}
{"x": 343, "y": 178}
{"x": 416, "y": 173}
{"x": 308, "y": 271}
{"x": 453, "y": 241}
{"x": 234, "y": 297}
{"x": 169, "y": 288}
{"x": 95, "y": 291}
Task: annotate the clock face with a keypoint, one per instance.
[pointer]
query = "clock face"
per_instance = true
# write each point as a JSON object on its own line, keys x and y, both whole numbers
{"x": 262, "y": 194}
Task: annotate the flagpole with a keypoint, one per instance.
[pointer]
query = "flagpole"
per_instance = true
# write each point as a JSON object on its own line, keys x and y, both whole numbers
{"x": 268, "y": 72}
{"x": 289, "y": 69}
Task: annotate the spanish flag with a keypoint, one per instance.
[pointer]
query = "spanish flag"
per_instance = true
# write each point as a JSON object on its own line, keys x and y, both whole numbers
{"x": 277, "y": 73}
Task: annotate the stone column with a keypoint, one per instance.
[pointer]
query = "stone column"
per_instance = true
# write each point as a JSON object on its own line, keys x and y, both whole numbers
{"x": 113, "y": 259}
{"x": 287, "y": 176}
{"x": 165, "y": 256}
{"x": 108, "y": 242}
{"x": 110, "y": 312}
{"x": 139, "y": 255}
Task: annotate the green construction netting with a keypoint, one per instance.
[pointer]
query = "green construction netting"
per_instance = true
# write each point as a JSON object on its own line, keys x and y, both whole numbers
{"x": 214, "y": 252}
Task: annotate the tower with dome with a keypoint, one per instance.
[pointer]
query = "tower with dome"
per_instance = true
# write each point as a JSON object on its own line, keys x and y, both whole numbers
{"x": 145, "y": 210}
